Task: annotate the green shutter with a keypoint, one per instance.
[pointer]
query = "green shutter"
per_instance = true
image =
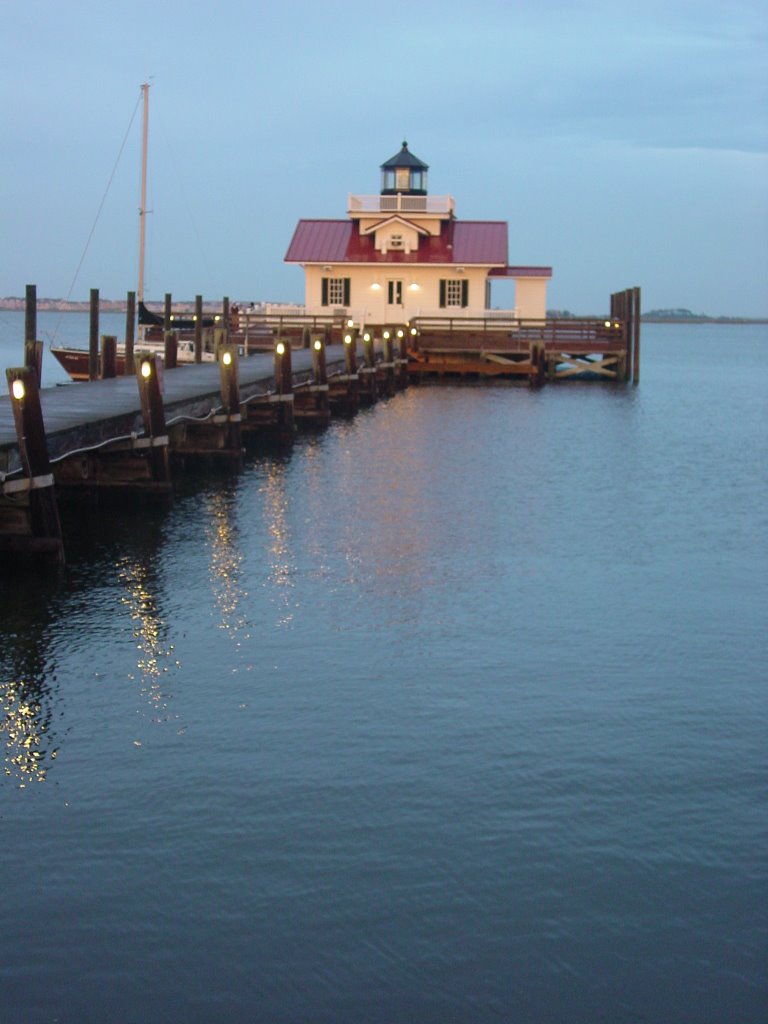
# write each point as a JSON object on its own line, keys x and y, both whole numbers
{"x": 346, "y": 291}
{"x": 324, "y": 294}
{"x": 465, "y": 292}
{"x": 442, "y": 293}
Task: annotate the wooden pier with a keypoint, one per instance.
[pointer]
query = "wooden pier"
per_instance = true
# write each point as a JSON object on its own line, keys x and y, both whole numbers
{"x": 133, "y": 434}
{"x": 121, "y": 435}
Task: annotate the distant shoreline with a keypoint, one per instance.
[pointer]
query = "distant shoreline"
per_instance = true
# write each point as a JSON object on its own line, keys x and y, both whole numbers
{"x": 17, "y": 305}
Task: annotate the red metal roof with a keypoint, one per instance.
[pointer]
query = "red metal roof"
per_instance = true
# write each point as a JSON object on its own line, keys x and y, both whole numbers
{"x": 460, "y": 241}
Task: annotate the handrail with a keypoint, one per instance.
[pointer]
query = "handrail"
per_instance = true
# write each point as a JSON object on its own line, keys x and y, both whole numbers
{"x": 400, "y": 203}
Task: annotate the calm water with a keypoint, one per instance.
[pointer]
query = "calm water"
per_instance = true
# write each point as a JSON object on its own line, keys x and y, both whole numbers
{"x": 456, "y": 714}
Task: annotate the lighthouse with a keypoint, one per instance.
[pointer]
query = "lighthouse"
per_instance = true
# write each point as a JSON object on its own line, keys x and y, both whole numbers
{"x": 403, "y": 254}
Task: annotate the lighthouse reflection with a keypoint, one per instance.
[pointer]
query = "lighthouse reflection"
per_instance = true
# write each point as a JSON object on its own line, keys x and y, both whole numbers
{"x": 226, "y": 571}
{"x": 27, "y": 700}
{"x": 156, "y": 656}
{"x": 26, "y": 729}
{"x": 280, "y": 558}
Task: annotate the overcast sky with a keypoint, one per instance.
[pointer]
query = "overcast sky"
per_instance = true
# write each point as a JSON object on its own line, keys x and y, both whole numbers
{"x": 624, "y": 142}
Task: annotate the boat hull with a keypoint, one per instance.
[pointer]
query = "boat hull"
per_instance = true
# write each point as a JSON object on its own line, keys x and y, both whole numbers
{"x": 75, "y": 361}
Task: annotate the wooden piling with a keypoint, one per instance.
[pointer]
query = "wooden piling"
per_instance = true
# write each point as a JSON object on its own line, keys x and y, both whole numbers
{"x": 153, "y": 414}
{"x": 108, "y": 356}
{"x": 401, "y": 358}
{"x": 344, "y": 388}
{"x": 44, "y": 528}
{"x": 171, "y": 349}
{"x": 636, "y": 337}
{"x": 284, "y": 390}
{"x": 198, "y": 328}
{"x": 30, "y": 313}
{"x": 33, "y": 358}
{"x": 386, "y": 369}
{"x": 93, "y": 338}
{"x": 225, "y": 318}
{"x": 130, "y": 334}
{"x": 231, "y": 419}
{"x": 311, "y": 402}
{"x": 367, "y": 372}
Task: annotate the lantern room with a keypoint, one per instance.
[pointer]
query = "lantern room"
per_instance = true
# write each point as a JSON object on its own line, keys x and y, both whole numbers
{"x": 405, "y": 174}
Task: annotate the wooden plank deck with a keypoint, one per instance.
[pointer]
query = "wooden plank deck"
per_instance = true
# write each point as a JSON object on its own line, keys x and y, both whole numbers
{"x": 78, "y": 416}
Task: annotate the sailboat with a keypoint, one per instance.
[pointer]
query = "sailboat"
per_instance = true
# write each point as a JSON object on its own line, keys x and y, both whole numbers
{"x": 151, "y": 325}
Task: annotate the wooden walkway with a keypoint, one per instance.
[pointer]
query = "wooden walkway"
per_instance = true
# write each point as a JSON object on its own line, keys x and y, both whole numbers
{"x": 81, "y": 416}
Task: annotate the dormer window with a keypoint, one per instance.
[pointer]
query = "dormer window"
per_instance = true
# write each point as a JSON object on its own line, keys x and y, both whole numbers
{"x": 396, "y": 242}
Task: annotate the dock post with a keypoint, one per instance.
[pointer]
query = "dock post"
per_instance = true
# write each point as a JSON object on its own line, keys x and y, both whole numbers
{"x": 130, "y": 334}
{"x": 30, "y": 313}
{"x": 311, "y": 402}
{"x": 626, "y": 316}
{"x": 33, "y": 349}
{"x": 153, "y": 414}
{"x": 93, "y": 338}
{"x": 33, "y": 357}
{"x": 284, "y": 388}
{"x": 410, "y": 337}
{"x": 108, "y": 356}
{"x": 198, "y": 328}
{"x": 344, "y": 388}
{"x": 636, "y": 337}
{"x": 386, "y": 368}
{"x": 167, "y": 312}
{"x": 368, "y": 389}
{"x": 229, "y": 369}
{"x": 170, "y": 349}
{"x": 44, "y": 536}
{"x": 225, "y": 318}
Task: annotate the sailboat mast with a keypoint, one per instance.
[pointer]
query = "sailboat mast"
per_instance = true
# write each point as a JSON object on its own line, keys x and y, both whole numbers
{"x": 143, "y": 207}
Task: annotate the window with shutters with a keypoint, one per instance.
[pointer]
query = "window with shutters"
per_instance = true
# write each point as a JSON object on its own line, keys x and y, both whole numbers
{"x": 335, "y": 291}
{"x": 454, "y": 292}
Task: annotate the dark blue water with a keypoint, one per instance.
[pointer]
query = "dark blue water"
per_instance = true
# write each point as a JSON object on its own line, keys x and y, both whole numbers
{"x": 456, "y": 713}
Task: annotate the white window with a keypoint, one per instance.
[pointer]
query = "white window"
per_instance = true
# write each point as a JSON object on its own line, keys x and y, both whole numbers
{"x": 396, "y": 242}
{"x": 335, "y": 291}
{"x": 453, "y": 294}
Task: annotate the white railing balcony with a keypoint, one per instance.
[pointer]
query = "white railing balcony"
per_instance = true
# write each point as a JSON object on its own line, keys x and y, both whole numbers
{"x": 441, "y": 205}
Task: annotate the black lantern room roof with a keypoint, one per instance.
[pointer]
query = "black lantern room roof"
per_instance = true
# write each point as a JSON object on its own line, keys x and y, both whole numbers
{"x": 404, "y": 159}
{"x": 404, "y": 174}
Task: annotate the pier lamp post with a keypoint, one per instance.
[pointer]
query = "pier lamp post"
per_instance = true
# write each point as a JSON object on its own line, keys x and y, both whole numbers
{"x": 350, "y": 354}
{"x": 318, "y": 363}
{"x": 33, "y": 449}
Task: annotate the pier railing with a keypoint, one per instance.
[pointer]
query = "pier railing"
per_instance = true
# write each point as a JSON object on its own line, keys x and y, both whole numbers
{"x": 400, "y": 204}
{"x": 513, "y": 334}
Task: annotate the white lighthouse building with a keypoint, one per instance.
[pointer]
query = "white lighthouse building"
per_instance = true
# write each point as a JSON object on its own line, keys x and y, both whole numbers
{"x": 404, "y": 254}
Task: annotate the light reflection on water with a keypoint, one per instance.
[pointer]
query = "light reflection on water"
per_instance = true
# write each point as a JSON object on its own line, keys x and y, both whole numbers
{"x": 156, "y": 657}
{"x": 471, "y": 723}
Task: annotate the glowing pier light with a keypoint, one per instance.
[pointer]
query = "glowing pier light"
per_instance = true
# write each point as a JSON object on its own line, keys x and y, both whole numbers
{"x": 18, "y": 390}
{"x": 226, "y": 358}
{"x": 280, "y": 349}
{"x": 347, "y": 339}
{"x": 146, "y": 369}
{"x": 318, "y": 345}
